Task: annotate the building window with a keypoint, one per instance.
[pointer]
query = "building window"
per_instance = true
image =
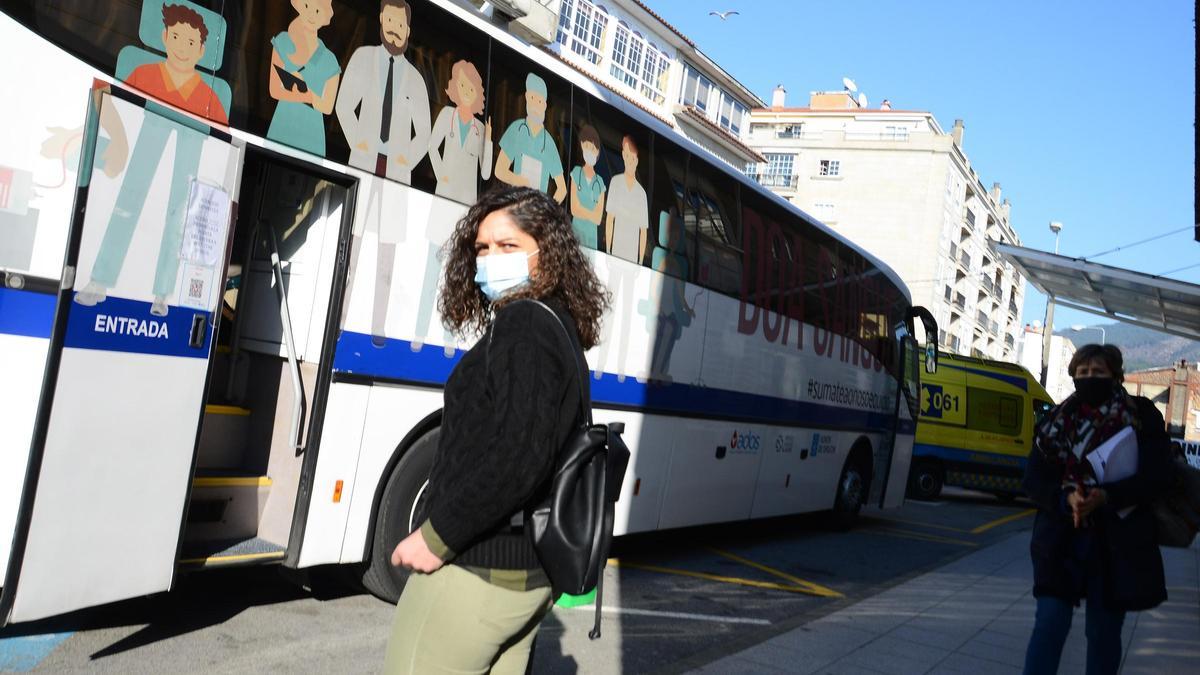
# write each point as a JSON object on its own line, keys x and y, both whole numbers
{"x": 790, "y": 131}
{"x": 731, "y": 114}
{"x": 824, "y": 211}
{"x": 831, "y": 167}
{"x": 894, "y": 133}
{"x": 696, "y": 88}
{"x": 779, "y": 164}
{"x": 639, "y": 64}
{"x": 581, "y": 28}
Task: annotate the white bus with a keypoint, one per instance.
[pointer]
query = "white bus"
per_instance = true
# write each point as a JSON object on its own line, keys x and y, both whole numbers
{"x": 219, "y": 234}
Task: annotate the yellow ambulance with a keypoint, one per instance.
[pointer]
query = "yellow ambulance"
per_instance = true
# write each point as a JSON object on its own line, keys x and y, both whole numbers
{"x": 976, "y": 426}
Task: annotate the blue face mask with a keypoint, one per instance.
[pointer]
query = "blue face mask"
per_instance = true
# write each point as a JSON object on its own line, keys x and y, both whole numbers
{"x": 499, "y": 273}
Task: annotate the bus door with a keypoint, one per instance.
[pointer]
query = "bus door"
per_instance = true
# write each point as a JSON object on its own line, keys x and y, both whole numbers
{"x": 115, "y": 438}
{"x": 906, "y": 405}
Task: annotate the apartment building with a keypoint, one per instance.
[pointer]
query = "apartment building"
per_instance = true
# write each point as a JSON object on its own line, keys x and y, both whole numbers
{"x": 626, "y": 46}
{"x": 1029, "y": 347}
{"x": 898, "y": 184}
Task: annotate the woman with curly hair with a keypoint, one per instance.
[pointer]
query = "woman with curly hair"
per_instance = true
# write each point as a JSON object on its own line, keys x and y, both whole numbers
{"x": 478, "y": 592}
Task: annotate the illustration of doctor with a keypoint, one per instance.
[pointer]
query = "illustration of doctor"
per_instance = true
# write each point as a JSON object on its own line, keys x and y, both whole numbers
{"x": 528, "y": 154}
{"x": 383, "y": 109}
{"x": 465, "y": 143}
{"x": 390, "y": 132}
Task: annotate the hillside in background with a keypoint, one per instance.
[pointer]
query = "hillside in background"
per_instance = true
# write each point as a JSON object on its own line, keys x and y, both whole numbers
{"x": 1142, "y": 347}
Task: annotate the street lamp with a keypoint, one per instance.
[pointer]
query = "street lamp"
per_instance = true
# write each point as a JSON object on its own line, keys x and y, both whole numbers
{"x": 1079, "y": 327}
{"x": 1048, "y": 326}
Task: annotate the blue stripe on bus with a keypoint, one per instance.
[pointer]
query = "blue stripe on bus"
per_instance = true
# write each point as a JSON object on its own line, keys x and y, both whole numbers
{"x": 122, "y": 325}
{"x": 963, "y": 456}
{"x": 357, "y": 354}
{"x": 26, "y": 313}
{"x": 1018, "y": 382}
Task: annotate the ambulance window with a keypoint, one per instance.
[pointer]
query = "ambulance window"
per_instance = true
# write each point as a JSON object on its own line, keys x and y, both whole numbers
{"x": 1040, "y": 410}
{"x": 993, "y": 412}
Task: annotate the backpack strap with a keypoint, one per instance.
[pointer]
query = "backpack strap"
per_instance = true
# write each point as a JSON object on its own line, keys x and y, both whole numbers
{"x": 584, "y": 399}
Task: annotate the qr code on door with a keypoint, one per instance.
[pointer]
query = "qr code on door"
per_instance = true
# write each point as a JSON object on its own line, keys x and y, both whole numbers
{"x": 196, "y": 289}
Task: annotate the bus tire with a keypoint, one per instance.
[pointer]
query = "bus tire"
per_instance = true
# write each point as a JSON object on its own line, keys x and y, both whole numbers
{"x": 395, "y": 519}
{"x": 851, "y": 495}
{"x": 925, "y": 480}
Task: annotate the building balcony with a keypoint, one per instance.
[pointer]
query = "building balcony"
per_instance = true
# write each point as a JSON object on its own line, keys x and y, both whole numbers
{"x": 981, "y": 317}
{"x": 960, "y": 301}
{"x": 988, "y": 285}
{"x": 776, "y": 179}
{"x": 965, "y": 259}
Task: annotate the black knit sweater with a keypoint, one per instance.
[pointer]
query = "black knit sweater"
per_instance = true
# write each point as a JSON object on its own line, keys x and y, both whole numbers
{"x": 510, "y": 405}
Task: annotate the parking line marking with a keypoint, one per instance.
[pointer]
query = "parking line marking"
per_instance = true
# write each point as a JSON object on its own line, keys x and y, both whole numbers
{"x": 918, "y": 523}
{"x": 1001, "y": 521}
{"x": 21, "y": 654}
{"x": 920, "y": 536}
{"x": 675, "y": 615}
{"x": 815, "y": 589}
{"x": 753, "y": 583}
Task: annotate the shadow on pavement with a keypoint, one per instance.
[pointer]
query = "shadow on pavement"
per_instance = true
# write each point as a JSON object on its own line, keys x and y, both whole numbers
{"x": 198, "y": 601}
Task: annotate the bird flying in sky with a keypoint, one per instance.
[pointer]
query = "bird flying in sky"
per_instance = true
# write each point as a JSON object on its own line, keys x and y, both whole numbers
{"x": 722, "y": 15}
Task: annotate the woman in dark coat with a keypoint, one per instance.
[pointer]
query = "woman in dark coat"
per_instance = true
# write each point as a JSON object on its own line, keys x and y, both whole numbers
{"x": 1093, "y": 542}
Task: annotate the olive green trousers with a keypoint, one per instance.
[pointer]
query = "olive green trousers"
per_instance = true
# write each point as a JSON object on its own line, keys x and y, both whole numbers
{"x": 452, "y": 621}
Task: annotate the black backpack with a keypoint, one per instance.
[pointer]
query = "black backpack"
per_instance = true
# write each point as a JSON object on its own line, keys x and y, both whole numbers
{"x": 572, "y": 528}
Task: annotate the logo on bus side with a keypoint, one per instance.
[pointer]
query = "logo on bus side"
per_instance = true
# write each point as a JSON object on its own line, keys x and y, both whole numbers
{"x": 822, "y": 444}
{"x": 747, "y": 441}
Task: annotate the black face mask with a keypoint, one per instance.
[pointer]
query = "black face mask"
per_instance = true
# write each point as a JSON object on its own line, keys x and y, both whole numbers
{"x": 1093, "y": 390}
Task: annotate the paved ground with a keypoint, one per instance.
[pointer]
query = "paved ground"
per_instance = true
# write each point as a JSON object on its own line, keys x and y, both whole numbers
{"x": 674, "y": 601}
{"x": 975, "y": 616}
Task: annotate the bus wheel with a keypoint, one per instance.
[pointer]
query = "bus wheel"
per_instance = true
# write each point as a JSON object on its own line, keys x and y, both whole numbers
{"x": 851, "y": 494}
{"x": 925, "y": 481}
{"x": 397, "y": 517}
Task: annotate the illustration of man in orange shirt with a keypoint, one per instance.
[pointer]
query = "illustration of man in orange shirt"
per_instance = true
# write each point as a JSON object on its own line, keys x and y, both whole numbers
{"x": 176, "y": 82}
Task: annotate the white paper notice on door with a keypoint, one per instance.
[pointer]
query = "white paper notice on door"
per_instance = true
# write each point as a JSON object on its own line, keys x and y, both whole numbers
{"x": 205, "y": 224}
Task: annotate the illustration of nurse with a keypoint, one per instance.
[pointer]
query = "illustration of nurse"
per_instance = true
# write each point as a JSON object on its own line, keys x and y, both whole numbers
{"x": 465, "y": 142}
{"x": 304, "y": 78}
{"x": 587, "y": 190}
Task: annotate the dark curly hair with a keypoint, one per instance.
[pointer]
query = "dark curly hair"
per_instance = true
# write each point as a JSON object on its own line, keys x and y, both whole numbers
{"x": 562, "y": 272}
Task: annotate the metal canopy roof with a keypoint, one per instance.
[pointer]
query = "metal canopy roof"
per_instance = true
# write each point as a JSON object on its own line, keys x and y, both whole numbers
{"x": 1159, "y": 303}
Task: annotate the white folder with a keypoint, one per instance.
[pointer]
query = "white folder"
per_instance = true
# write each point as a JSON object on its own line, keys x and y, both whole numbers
{"x": 1116, "y": 458}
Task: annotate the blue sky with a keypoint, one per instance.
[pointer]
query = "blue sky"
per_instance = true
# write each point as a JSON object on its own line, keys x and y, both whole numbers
{"x": 1082, "y": 111}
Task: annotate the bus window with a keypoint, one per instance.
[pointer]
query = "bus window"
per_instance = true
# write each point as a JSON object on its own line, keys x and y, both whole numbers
{"x": 993, "y": 412}
{"x": 711, "y": 219}
{"x": 668, "y": 240}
